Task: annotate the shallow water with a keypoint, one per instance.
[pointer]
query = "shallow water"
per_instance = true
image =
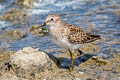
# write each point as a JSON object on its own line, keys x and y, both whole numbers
{"x": 96, "y": 15}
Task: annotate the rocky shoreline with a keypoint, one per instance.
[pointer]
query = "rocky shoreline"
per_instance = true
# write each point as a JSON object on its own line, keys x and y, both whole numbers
{"x": 20, "y": 22}
{"x": 31, "y": 64}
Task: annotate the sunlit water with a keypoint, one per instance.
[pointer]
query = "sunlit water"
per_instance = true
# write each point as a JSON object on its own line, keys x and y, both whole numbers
{"x": 88, "y": 14}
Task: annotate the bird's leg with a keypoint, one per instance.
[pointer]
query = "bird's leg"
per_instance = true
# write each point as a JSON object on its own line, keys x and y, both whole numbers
{"x": 72, "y": 60}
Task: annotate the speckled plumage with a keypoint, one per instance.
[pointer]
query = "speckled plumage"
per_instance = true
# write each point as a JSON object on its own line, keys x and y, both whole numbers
{"x": 78, "y": 36}
{"x": 66, "y": 35}
{"x": 62, "y": 33}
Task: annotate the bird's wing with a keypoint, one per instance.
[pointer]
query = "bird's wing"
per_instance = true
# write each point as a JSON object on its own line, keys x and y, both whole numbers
{"x": 78, "y": 36}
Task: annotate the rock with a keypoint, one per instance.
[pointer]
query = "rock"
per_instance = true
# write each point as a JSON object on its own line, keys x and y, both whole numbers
{"x": 90, "y": 48}
{"x": 38, "y": 30}
{"x": 5, "y": 56}
{"x": 116, "y": 12}
{"x": 95, "y": 61}
{"x": 14, "y": 15}
{"x": 12, "y": 35}
{"x": 29, "y": 61}
{"x": 31, "y": 64}
{"x": 24, "y": 3}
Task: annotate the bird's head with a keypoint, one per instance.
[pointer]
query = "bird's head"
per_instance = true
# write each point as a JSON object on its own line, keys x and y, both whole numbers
{"x": 52, "y": 20}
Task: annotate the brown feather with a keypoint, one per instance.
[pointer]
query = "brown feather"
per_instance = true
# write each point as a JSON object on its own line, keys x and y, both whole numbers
{"x": 78, "y": 36}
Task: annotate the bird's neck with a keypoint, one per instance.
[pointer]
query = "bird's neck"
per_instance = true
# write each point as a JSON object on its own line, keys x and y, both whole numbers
{"x": 57, "y": 25}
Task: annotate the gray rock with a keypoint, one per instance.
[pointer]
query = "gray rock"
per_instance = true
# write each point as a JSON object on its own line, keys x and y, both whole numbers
{"x": 29, "y": 61}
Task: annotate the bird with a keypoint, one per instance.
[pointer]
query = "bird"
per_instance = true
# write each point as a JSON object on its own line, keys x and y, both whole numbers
{"x": 68, "y": 36}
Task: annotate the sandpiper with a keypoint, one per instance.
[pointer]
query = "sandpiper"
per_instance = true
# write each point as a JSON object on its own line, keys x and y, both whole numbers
{"x": 68, "y": 36}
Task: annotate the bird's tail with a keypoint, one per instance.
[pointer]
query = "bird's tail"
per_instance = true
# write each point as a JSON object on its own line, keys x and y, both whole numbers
{"x": 93, "y": 37}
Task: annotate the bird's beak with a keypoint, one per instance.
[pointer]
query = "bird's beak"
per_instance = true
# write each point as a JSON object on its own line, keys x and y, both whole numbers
{"x": 44, "y": 24}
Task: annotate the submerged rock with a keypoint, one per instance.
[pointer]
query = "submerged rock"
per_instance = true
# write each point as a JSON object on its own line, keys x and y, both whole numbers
{"x": 116, "y": 12}
{"x": 38, "y": 30}
{"x": 11, "y": 35}
{"x": 14, "y": 15}
{"x": 24, "y": 3}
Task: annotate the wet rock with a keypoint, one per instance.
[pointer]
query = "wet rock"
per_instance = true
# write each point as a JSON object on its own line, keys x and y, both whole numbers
{"x": 12, "y": 35}
{"x": 100, "y": 68}
{"x": 100, "y": 61}
{"x": 29, "y": 61}
{"x": 114, "y": 5}
{"x": 109, "y": 53}
{"x": 24, "y": 3}
{"x": 116, "y": 12}
{"x": 95, "y": 61}
{"x": 116, "y": 63}
{"x": 90, "y": 48}
{"x": 14, "y": 15}
{"x": 38, "y": 30}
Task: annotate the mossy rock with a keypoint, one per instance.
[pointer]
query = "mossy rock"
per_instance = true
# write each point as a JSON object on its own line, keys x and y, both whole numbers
{"x": 38, "y": 30}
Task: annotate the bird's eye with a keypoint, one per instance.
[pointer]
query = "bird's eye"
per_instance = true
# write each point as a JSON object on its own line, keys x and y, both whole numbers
{"x": 51, "y": 19}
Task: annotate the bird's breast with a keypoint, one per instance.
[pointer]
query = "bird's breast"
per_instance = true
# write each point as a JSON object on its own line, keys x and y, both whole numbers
{"x": 58, "y": 36}
{"x": 56, "y": 33}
